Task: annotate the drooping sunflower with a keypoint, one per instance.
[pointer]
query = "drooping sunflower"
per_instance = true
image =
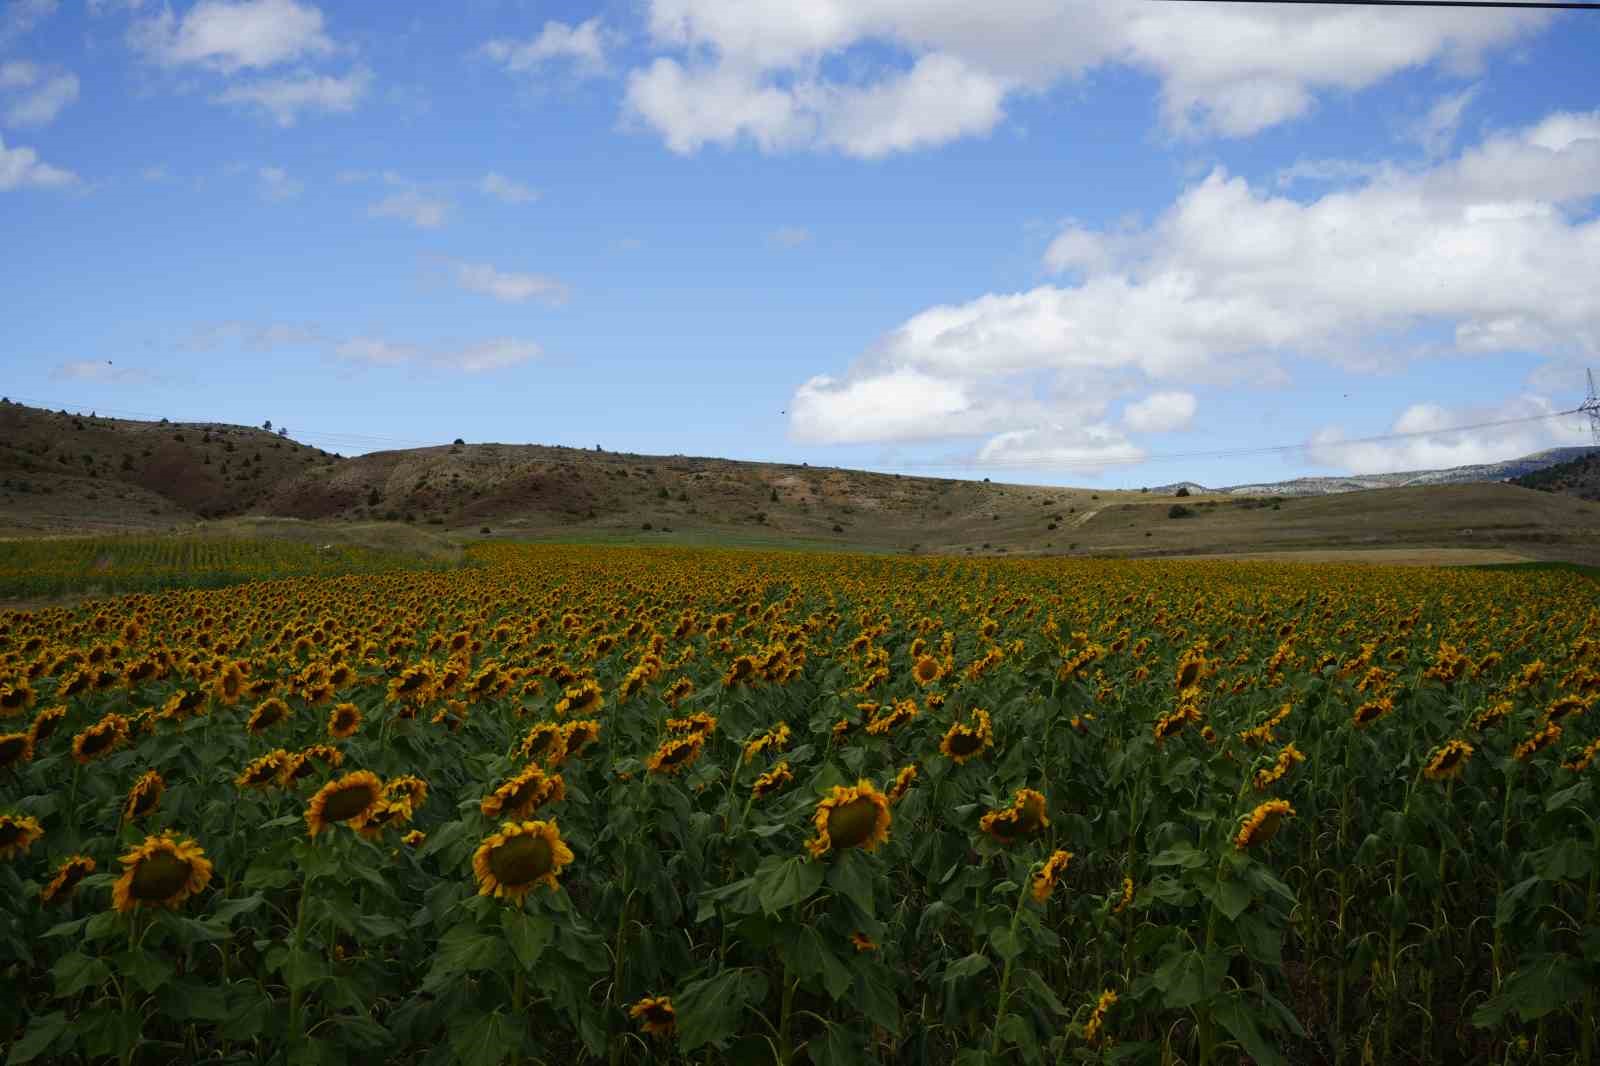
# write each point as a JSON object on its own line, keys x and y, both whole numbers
{"x": 349, "y": 799}
{"x": 1371, "y": 711}
{"x": 45, "y": 723}
{"x": 1126, "y": 897}
{"x": 1563, "y": 707}
{"x": 1537, "y": 742}
{"x": 229, "y": 685}
{"x": 697, "y": 724}
{"x": 581, "y": 699}
{"x": 1448, "y": 761}
{"x": 1044, "y": 879}
{"x": 15, "y": 698}
{"x": 771, "y": 781}
{"x": 182, "y": 704}
{"x": 900, "y": 713}
{"x": 1094, "y": 1029}
{"x": 509, "y": 863}
{"x": 677, "y": 692}
{"x": 344, "y": 721}
{"x": 162, "y": 872}
{"x": 408, "y": 788}
{"x": 15, "y": 749}
{"x": 1492, "y": 715}
{"x": 264, "y": 771}
{"x": 863, "y": 942}
{"x": 144, "y": 797}
{"x": 963, "y": 742}
{"x": 1262, "y": 824}
{"x": 524, "y": 794}
{"x": 67, "y": 876}
{"x": 902, "y": 782}
{"x": 855, "y": 816}
{"x": 676, "y": 753}
{"x": 387, "y": 813}
{"x": 303, "y": 763}
{"x": 655, "y": 1016}
{"x": 545, "y": 742}
{"x": 777, "y": 739}
{"x": 1025, "y": 816}
{"x": 579, "y": 734}
{"x": 1583, "y": 759}
{"x": 1288, "y": 758}
{"x": 18, "y": 833}
{"x": 100, "y": 739}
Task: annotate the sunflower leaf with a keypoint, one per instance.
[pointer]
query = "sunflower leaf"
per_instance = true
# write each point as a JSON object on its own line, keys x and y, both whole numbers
{"x": 44, "y": 1031}
{"x": 850, "y": 877}
{"x": 484, "y": 1039}
{"x": 709, "y": 1010}
{"x": 1234, "y": 1015}
{"x": 528, "y": 935}
{"x": 787, "y": 882}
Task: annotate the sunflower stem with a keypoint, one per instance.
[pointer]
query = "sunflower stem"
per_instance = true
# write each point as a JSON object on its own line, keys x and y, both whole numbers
{"x": 785, "y": 1020}
{"x": 1005, "y": 974}
{"x": 296, "y": 991}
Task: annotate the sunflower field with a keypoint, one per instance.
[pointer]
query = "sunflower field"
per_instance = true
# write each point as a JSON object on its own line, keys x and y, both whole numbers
{"x": 632, "y": 805}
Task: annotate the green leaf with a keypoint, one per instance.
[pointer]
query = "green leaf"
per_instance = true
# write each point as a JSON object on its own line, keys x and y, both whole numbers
{"x": 42, "y": 1032}
{"x": 461, "y": 949}
{"x": 1232, "y": 898}
{"x": 103, "y": 925}
{"x": 967, "y": 966}
{"x": 810, "y": 956}
{"x": 484, "y": 1039}
{"x": 787, "y": 882}
{"x": 76, "y": 971}
{"x": 878, "y": 1002}
{"x": 1234, "y": 1015}
{"x": 148, "y": 970}
{"x": 1014, "y": 1029}
{"x": 710, "y": 1010}
{"x": 528, "y": 935}
{"x": 1548, "y": 984}
{"x": 1189, "y": 978}
{"x": 1006, "y": 943}
{"x": 850, "y": 877}
{"x": 230, "y": 909}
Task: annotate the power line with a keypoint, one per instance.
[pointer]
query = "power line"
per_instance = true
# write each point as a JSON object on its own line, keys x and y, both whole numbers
{"x": 1502, "y": 4}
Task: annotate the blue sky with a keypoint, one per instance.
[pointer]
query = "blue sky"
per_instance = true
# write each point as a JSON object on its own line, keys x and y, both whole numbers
{"x": 1057, "y": 243}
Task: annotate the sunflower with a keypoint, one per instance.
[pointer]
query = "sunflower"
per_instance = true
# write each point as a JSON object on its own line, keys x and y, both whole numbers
{"x": 162, "y": 872}
{"x": 408, "y": 788}
{"x": 850, "y": 817}
{"x": 863, "y": 942}
{"x": 902, "y": 783}
{"x": 903, "y": 711}
{"x": 45, "y": 724}
{"x": 545, "y": 741}
{"x": 183, "y": 704}
{"x": 386, "y": 814}
{"x": 18, "y": 833}
{"x": 1448, "y": 761}
{"x": 1537, "y": 742}
{"x": 774, "y": 738}
{"x": 66, "y": 878}
{"x": 677, "y": 691}
{"x": 229, "y": 685}
{"x": 1581, "y": 761}
{"x": 926, "y": 670}
{"x": 1192, "y": 668}
{"x": 741, "y": 671}
{"x": 522, "y": 854}
{"x": 263, "y": 771}
{"x": 268, "y": 713}
{"x": 1565, "y": 707}
{"x": 583, "y": 698}
{"x": 655, "y": 1016}
{"x": 414, "y": 839}
{"x": 1371, "y": 711}
{"x": 102, "y": 738}
{"x": 579, "y": 734}
{"x": 15, "y": 749}
{"x": 524, "y": 794}
{"x": 15, "y": 698}
{"x": 344, "y": 721}
{"x": 1044, "y": 879}
{"x": 1262, "y": 824}
{"x": 963, "y": 742}
{"x": 1126, "y": 897}
{"x": 676, "y": 753}
{"x": 349, "y": 799}
{"x": 1094, "y": 1028}
{"x": 144, "y": 797}
{"x": 302, "y": 764}
{"x": 771, "y": 781}
{"x": 698, "y": 724}
{"x": 1025, "y": 815}
{"x": 1289, "y": 757}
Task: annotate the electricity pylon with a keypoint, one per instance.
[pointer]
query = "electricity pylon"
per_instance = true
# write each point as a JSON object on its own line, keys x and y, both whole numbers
{"x": 1591, "y": 406}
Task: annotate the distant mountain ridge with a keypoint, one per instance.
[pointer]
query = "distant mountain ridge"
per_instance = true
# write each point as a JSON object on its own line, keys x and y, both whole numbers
{"x": 1506, "y": 470}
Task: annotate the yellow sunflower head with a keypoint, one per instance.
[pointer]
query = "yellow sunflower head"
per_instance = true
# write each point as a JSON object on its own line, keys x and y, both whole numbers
{"x": 524, "y": 794}
{"x": 302, "y": 764}
{"x": 1448, "y": 761}
{"x": 66, "y": 878}
{"x": 545, "y": 742}
{"x": 349, "y": 799}
{"x": 1262, "y": 824}
{"x": 15, "y": 749}
{"x": 100, "y": 739}
{"x": 863, "y": 942}
{"x": 1044, "y": 879}
{"x": 854, "y": 816}
{"x": 509, "y": 863}
{"x": 772, "y": 780}
{"x": 268, "y": 713}
{"x": 655, "y": 1016}
{"x": 264, "y": 771}
{"x": 18, "y": 833}
{"x": 902, "y": 782}
{"x": 144, "y": 796}
{"x": 964, "y": 742}
{"x": 162, "y": 872}
{"x": 1025, "y": 816}
{"x": 676, "y": 754}
{"x": 408, "y": 788}
{"x": 45, "y": 724}
{"x": 344, "y": 721}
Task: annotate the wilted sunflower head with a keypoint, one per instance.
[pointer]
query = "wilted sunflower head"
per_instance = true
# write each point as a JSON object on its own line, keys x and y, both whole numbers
{"x": 15, "y": 749}
{"x": 772, "y": 780}
{"x": 1448, "y": 761}
{"x": 66, "y": 878}
{"x": 1044, "y": 879}
{"x": 349, "y": 799}
{"x": 1026, "y": 815}
{"x": 524, "y": 794}
{"x": 162, "y": 872}
{"x": 1262, "y": 824}
{"x": 18, "y": 833}
{"x": 855, "y": 816}
{"x": 579, "y": 734}
{"x": 144, "y": 796}
{"x": 655, "y": 1016}
{"x": 100, "y": 739}
{"x": 45, "y": 724}
{"x": 509, "y": 863}
{"x": 263, "y": 771}
{"x": 545, "y": 742}
{"x": 676, "y": 753}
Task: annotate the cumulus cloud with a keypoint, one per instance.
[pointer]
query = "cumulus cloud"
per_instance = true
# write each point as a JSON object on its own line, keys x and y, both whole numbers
{"x": 584, "y": 44}
{"x": 21, "y": 168}
{"x": 34, "y": 95}
{"x": 506, "y": 190}
{"x": 1438, "y": 437}
{"x": 510, "y": 287}
{"x": 285, "y": 99}
{"x": 275, "y": 185}
{"x": 1086, "y": 449}
{"x": 232, "y": 35}
{"x": 1436, "y": 130}
{"x": 103, "y": 371}
{"x": 1160, "y": 412}
{"x": 411, "y": 205}
{"x": 751, "y": 69}
{"x": 478, "y": 357}
{"x": 1497, "y": 246}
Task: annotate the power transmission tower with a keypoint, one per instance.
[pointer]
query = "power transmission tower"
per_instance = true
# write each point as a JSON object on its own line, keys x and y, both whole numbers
{"x": 1591, "y": 406}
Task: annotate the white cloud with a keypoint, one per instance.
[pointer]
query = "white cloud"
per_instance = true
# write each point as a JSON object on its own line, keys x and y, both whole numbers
{"x": 584, "y": 44}
{"x": 285, "y": 98}
{"x": 424, "y": 212}
{"x": 100, "y": 370}
{"x": 275, "y": 184}
{"x": 510, "y": 287}
{"x": 1498, "y": 244}
{"x": 1160, "y": 412}
{"x": 1327, "y": 170}
{"x": 1436, "y": 131}
{"x": 482, "y": 356}
{"x": 35, "y": 96}
{"x": 156, "y": 173}
{"x": 789, "y": 236}
{"x": 253, "y": 336}
{"x": 20, "y": 167}
{"x": 506, "y": 190}
{"x": 20, "y": 16}
{"x": 232, "y": 35}
{"x": 1438, "y": 441}
{"x": 750, "y": 69}
{"x": 1086, "y": 449}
